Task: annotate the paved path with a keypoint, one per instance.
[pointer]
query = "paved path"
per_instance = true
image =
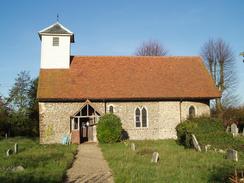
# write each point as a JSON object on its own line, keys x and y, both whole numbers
{"x": 89, "y": 166}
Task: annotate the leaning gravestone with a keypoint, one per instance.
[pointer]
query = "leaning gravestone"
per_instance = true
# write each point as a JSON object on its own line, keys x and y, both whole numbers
{"x": 232, "y": 154}
{"x": 234, "y": 129}
{"x": 133, "y": 147}
{"x": 155, "y": 157}
{"x": 16, "y": 148}
{"x": 195, "y": 143}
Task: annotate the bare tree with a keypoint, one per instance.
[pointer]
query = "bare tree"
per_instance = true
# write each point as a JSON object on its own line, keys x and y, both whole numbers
{"x": 219, "y": 59}
{"x": 151, "y": 48}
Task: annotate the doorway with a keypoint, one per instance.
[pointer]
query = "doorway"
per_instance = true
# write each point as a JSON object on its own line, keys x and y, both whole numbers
{"x": 83, "y": 125}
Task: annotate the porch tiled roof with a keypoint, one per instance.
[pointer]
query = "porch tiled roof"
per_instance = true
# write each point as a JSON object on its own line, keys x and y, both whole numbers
{"x": 128, "y": 77}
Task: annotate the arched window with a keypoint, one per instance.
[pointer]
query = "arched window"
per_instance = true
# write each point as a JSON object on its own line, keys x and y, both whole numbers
{"x": 141, "y": 117}
{"x": 111, "y": 109}
{"x": 192, "y": 112}
{"x": 138, "y": 117}
{"x": 144, "y": 117}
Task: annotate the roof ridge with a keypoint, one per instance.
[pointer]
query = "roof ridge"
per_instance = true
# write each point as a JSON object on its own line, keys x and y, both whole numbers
{"x": 131, "y": 56}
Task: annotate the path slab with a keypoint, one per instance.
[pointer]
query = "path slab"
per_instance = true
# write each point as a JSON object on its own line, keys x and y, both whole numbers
{"x": 89, "y": 166}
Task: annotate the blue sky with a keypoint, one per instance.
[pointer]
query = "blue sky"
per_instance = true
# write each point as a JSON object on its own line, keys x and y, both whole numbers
{"x": 111, "y": 27}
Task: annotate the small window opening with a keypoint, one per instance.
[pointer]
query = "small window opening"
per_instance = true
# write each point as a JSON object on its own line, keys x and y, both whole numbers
{"x": 76, "y": 124}
{"x": 55, "y": 41}
{"x": 111, "y": 109}
{"x": 192, "y": 112}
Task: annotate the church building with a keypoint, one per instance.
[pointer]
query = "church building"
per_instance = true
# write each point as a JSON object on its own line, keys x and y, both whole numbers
{"x": 150, "y": 94}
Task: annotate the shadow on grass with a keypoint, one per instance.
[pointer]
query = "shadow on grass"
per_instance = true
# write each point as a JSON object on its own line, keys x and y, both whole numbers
{"x": 221, "y": 174}
{"x": 124, "y": 135}
{"x": 28, "y": 177}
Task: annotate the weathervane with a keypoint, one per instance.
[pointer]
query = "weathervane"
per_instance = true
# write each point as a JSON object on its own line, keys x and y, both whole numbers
{"x": 242, "y": 54}
{"x": 57, "y": 17}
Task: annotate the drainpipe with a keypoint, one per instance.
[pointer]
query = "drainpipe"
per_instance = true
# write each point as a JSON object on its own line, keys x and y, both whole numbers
{"x": 105, "y": 106}
{"x": 180, "y": 110}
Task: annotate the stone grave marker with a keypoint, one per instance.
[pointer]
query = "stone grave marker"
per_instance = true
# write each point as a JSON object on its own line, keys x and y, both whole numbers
{"x": 243, "y": 132}
{"x": 155, "y": 157}
{"x": 16, "y": 148}
{"x": 221, "y": 151}
{"x": 227, "y": 129}
{"x": 8, "y": 152}
{"x": 133, "y": 147}
{"x": 6, "y": 135}
{"x": 195, "y": 143}
{"x": 18, "y": 169}
{"x": 207, "y": 147}
{"x": 234, "y": 129}
{"x": 232, "y": 154}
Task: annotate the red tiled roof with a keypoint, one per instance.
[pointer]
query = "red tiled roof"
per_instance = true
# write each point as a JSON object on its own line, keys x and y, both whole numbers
{"x": 128, "y": 77}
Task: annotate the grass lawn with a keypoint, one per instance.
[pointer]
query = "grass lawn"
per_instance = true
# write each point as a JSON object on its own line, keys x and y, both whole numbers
{"x": 42, "y": 163}
{"x": 176, "y": 164}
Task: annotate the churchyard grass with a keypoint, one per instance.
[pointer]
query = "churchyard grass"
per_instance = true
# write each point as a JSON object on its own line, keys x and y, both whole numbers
{"x": 176, "y": 164}
{"x": 41, "y": 163}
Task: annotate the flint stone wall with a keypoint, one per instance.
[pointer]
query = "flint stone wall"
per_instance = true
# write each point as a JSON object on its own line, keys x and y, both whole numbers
{"x": 163, "y": 117}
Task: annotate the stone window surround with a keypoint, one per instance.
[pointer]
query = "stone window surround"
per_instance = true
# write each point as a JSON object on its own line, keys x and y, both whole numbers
{"x": 140, "y": 108}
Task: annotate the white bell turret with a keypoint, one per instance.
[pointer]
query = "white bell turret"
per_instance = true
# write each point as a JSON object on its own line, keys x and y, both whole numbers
{"x": 55, "y": 47}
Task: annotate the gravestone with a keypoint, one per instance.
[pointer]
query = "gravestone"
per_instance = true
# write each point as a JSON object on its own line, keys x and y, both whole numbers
{"x": 207, "y": 147}
{"x": 16, "y": 148}
{"x": 6, "y": 135}
{"x": 8, "y": 152}
{"x": 227, "y": 129}
{"x": 243, "y": 132}
{"x": 234, "y": 129}
{"x": 155, "y": 157}
{"x": 221, "y": 151}
{"x": 195, "y": 143}
{"x": 126, "y": 143}
{"x": 18, "y": 169}
{"x": 133, "y": 147}
{"x": 232, "y": 154}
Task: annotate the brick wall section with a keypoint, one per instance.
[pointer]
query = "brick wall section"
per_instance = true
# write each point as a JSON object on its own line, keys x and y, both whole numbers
{"x": 162, "y": 118}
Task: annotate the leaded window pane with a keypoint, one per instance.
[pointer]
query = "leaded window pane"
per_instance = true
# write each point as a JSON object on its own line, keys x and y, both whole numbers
{"x": 138, "y": 117}
{"x": 144, "y": 117}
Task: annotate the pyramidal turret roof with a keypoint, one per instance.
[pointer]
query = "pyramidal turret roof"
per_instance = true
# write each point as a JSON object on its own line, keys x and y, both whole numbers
{"x": 57, "y": 29}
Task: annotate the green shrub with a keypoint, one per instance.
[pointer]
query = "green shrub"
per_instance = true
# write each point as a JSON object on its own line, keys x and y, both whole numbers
{"x": 204, "y": 128}
{"x": 184, "y": 130}
{"x": 208, "y": 131}
{"x": 109, "y": 129}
